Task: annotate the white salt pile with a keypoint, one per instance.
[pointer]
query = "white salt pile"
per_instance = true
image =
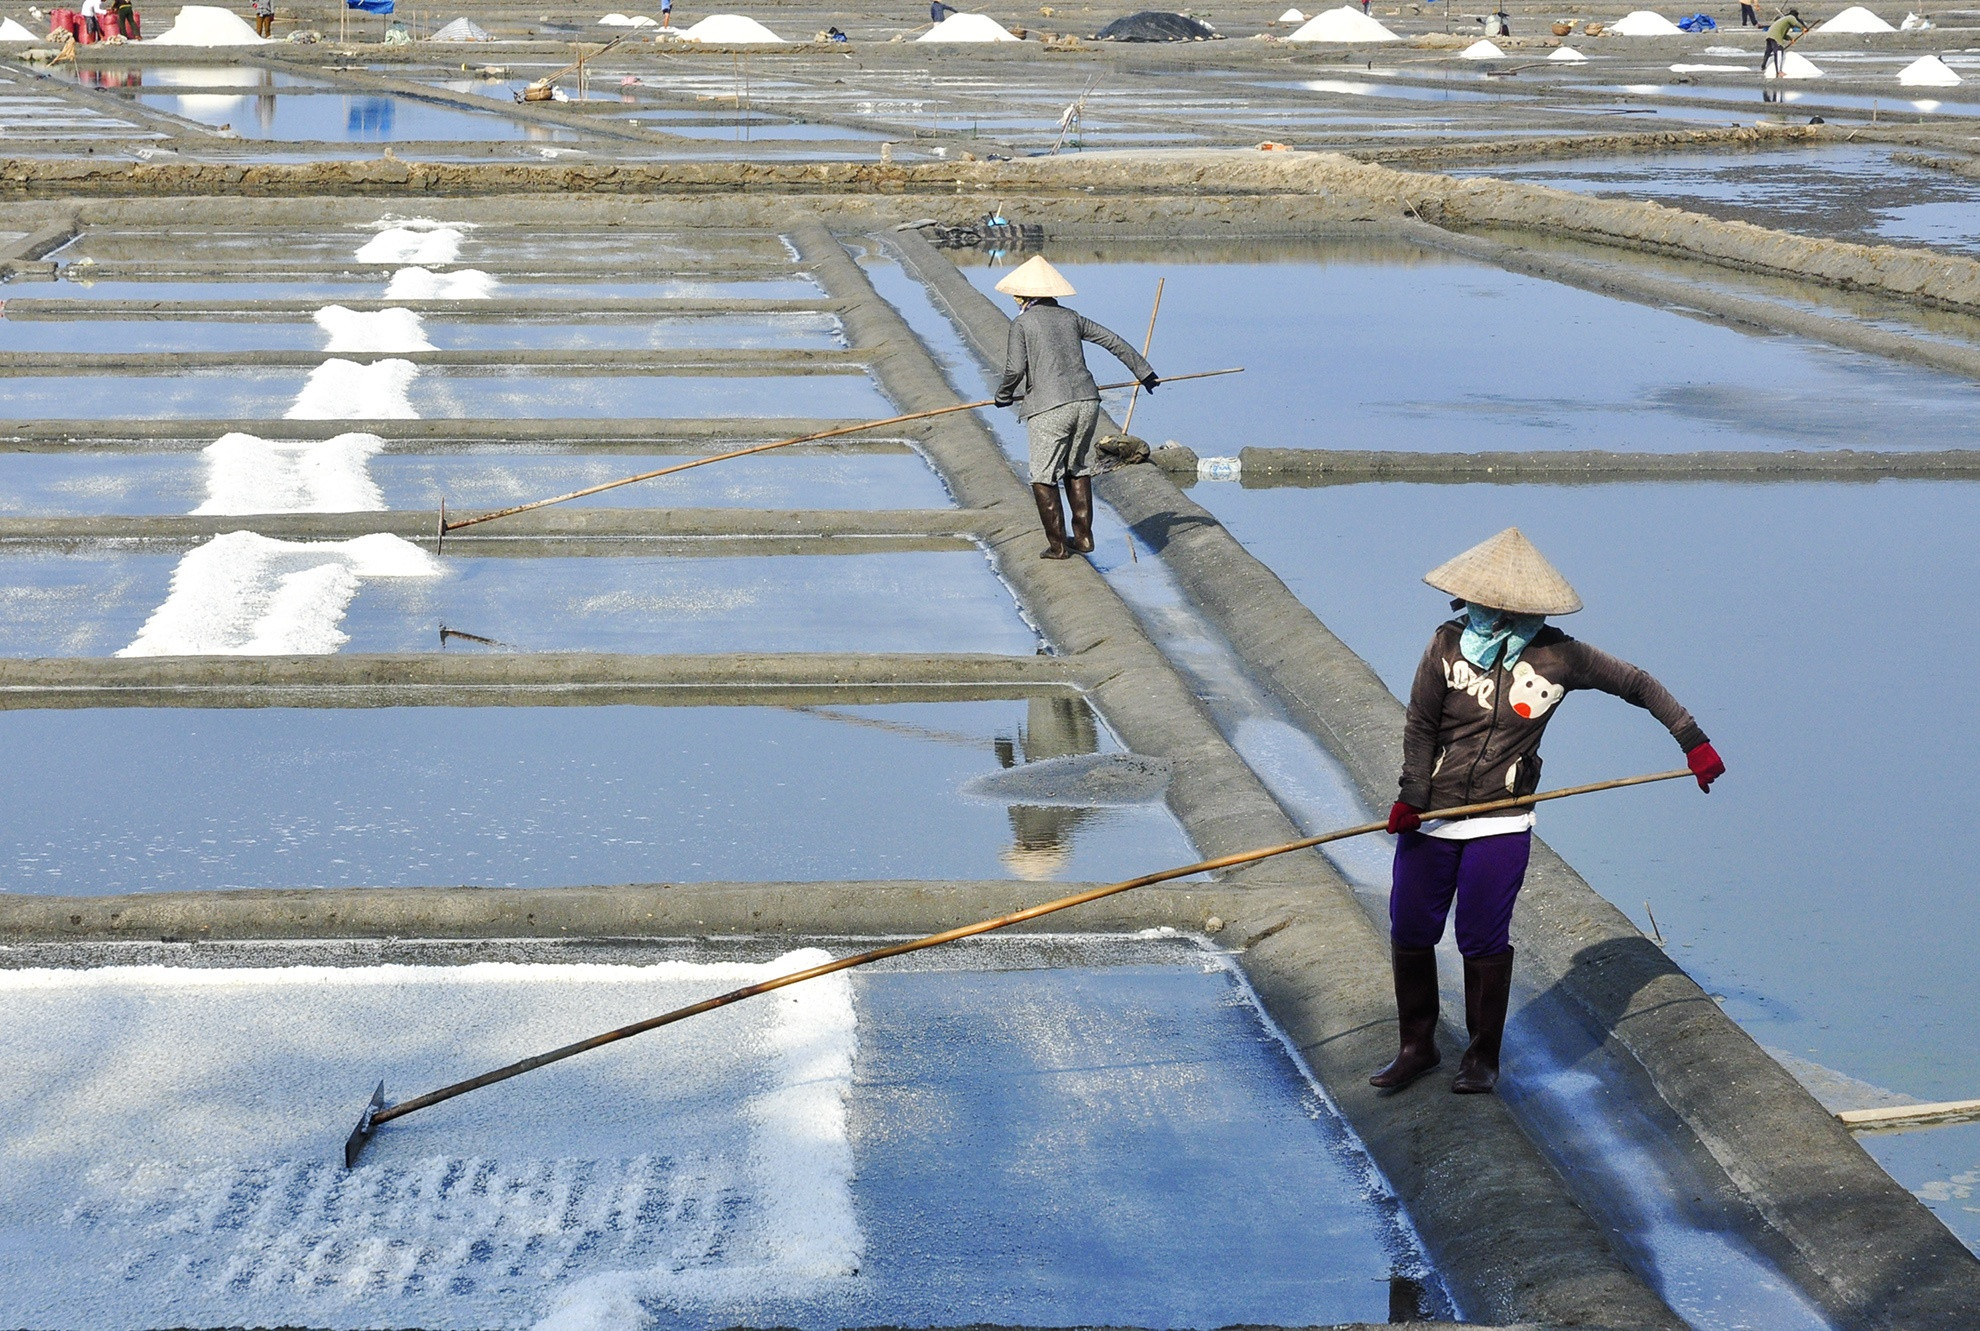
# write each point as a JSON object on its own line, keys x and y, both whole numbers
{"x": 1855, "y": 19}
{"x": 1644, "y": 23}
{"x": 343, "y": 390}
{"x": 967, "y": 28}
{"x": 412, "y": 244}
{"x": 11, "y": 31}
{"x": 1914, "y": 23}
{"x": 1795, "y": 66}
{"x": 205, "y": 25}
{"x": 1567, "y": 53}
{"x": 248, "y": 474}
{"x": 1292, "y": 16}
{"x": 1928, "y": 72}
{"x": 462, "y": 30}
{"x": 425, "y": 284}
{"x": 244, "y": 594}
{"x": 627, "y": 21}
{"x": 1481, "y": 51}
{"x": 1346, "y": 24}
{"x": 730, "y": 30}
{"x": 372, "y": 330}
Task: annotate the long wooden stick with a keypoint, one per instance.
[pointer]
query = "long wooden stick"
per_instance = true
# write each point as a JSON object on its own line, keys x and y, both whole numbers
{"x": 379, "y": 1113}
{"x": 1896, "y": 1117}
{"x": 446, "y": 526}
{"x": 1146, "y": 343}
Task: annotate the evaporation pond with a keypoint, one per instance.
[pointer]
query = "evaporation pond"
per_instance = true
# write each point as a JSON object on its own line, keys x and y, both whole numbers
{"x": 242, "y": 594}
{"x": 141, "y": 799}
{"x": 657, "y": 332}
{"x": 1419, "y": 351}
{"x": 344, "y": 118}
{"x": 821, "y": 476}
{"x": 1095, "y": 1132}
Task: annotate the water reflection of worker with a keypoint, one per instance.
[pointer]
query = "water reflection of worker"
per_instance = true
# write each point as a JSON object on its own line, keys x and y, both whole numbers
{"x": 1483, "y": 694}
{"x": 1781, "y": 35}
{"x": 1042, "y": 835}
{"x": 1045, "y": 365}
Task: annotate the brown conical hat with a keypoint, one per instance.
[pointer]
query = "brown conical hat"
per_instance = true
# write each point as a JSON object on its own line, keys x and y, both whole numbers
{"x": 1034, "y": 278}
{"x": 1506, "y": 573}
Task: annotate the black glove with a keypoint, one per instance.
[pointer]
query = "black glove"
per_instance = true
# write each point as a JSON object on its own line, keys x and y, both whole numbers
{"x": 1003, "y": 400}
{"x": 1151, "y": 383}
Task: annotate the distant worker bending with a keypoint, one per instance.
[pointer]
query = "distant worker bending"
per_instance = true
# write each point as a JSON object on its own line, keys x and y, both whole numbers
{"x": 1781, "y": 34}
{"x": 1045, "y": 367}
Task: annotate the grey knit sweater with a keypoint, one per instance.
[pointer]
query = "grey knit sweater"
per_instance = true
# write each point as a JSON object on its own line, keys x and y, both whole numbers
{"x": 1045, "y": 365}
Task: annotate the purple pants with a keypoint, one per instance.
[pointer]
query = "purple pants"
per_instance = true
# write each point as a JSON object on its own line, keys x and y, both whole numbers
{"x": 1484, "y": 874}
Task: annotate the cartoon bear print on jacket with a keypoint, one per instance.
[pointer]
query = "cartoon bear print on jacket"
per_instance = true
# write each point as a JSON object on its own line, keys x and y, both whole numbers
{"x": 1532, "y": 693}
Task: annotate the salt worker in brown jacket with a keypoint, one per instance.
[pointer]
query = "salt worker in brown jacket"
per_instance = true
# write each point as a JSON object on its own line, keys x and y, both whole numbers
{"x": 1483, "y": 695}
{"x": 1045, "y": 368}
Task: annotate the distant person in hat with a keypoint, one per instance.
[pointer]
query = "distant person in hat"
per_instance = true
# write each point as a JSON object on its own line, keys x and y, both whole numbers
{"x": 1045, "y": 368}
{"x": 1484, "y": 692}
{"x": 1781, "y": 34}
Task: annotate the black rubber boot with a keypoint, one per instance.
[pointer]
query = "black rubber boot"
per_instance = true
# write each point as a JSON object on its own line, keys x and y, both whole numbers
{"x": 1487, "y": 990}
{"x": 1079, "y": 498}
{"x": 1055, "y": 524}
{"x": 1416, "y": 1017}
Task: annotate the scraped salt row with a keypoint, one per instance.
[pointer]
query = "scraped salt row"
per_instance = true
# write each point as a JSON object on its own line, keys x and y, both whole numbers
{"x": 248, "y": 474}
{"x": 1567, "y": 53}
{"x": 967, "y": 28}
{"x": 729, "y": 30}
{"x": 1928, "y": 72}
{"x": 343, "y": 390}
{"x": 1481, "y": 50}
{"x": 1292, "y": 16}
{"x": 406, "y": 244}
{"x": 1644, "y": 23}
{"x": 1711, "y": 69}
{"x": 425, "y": 284}
{"x": 244, "y": 594}
{"x": 1795, "y": 66}
{"x": 1855, "y": 19}
{"x": 372, "y": 330}
{"x": 11, "y": 31}
{"x": 1346, "y": 24}
{"x": 207, "y": 25}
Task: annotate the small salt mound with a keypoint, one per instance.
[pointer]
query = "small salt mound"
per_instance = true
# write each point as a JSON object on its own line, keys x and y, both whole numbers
{"x": 424, "y": 284}
{"x": 1346, "y": 24}
{"x": 967, "y": 28}
{"x": 1855, "y": 19}
{"x": 730, "y": 30}
{"x": 1644, "y": 23}
{"x": 372, "y": 330}
{"x": 343, "y": 390}
{"x": 11, "y": 31}
{"x": 1914, "y": 23}
{"x": 462, "y": 30}
{"x": 615, "y": 21}
{"x": 205, "y": 25}
{"x": 1795, "y": 66}
{"x": 1292, "y": 16}
{"x": 405, "y": 244}
{"x": 244, "y": 594}
{"x": 1568, "y": 53}
{"x": 1928, "y": 72}
{"x": 1481, "y": 51}
{"x": 248, "y": 474}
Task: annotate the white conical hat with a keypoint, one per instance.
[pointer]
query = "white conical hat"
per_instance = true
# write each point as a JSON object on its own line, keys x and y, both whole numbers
{"x": 1506, "y": 573}
{"x": 1034, "y": 278}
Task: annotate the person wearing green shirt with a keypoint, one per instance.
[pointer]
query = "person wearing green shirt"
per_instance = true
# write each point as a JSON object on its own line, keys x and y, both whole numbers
{"x": 1780, "y": 35}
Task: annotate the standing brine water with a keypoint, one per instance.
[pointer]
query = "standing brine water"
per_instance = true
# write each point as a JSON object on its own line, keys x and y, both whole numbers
{"x": 1045, "y": 370}
{"x": 1484, "y": 692}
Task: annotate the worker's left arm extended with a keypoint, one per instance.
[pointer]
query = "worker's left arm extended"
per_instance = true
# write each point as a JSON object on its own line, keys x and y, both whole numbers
{"x": 1106, "y": 337}
{"x": 1593, "y": 668}
{"x": 1016, "y": 367}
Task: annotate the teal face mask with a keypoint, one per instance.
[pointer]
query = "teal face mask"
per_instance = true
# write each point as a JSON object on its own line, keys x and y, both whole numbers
{"x": 1488, "y": 632}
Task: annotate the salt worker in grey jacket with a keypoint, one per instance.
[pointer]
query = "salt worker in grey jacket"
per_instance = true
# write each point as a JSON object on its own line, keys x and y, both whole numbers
{"x": 1045, "y": 369}
{"x": 1483, "y": 695}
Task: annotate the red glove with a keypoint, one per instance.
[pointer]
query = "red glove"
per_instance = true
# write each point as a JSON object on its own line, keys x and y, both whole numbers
{"x": 1704, "y": 762}
{"x": 1404, "y": 818}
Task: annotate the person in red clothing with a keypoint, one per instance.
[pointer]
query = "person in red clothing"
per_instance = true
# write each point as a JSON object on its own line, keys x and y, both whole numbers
{"x": 1484, "y": 692}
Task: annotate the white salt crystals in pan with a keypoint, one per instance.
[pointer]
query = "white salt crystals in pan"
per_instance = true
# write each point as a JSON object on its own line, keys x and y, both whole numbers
{"x": 343, "y": 390}
{"x": 244, "y": 594}
{"x": 207, "y": 25}
{"x": 1644, "y": 23}
{"x": 425, "y": 284}
{"x": 372, "y": 330}
{"x": 729, "y": 30}
{"x": 248, "y": 474}
{"x": 1481, "y": 51}
{"x": 967, "y": 28}
{"x": 1855, "y": 19}
{"x": 1346, "y": 24}
{"x": 1928, "y": 72}
{"x": 406, "y": 244}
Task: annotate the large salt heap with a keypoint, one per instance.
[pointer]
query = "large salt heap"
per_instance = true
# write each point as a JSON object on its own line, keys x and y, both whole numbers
{"x": 462, "y": 30}
{"x": 1854, "y": 19}
{"x": 1928, "y": 72}
{"x": 205, "y": 25}
{"x": 967, "y": 28}
{"x": 730, "y": 30}
{"x": 1794, "y": 66}
{"x": 1482, "y": 51}
{"x": 1644, "y": 23}
{"x": 11, "y": 31}
{"x": 1345, "y": 24}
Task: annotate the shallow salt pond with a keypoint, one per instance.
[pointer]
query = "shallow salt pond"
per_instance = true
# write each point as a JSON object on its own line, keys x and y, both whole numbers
{"x": 548, "y": 796}
{"x": 1379, "y": 346}
{"x": 329, "y": 117}
{"x": 300, "y": 333}
{"x": 76, "y": 284}
{"x": 1102, "y": 1130}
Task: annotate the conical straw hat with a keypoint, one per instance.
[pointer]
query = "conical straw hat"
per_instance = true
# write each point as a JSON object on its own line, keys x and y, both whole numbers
{"x": 1506, "y": 573}
{"x": 1034, "y": 278}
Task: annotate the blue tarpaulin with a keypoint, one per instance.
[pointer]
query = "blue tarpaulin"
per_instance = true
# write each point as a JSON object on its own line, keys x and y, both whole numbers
{"x": 371, "y": 6}
{"x": 1698, "y": 23}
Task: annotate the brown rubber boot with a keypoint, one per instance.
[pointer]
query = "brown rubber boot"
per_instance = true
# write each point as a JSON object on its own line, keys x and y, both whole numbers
{"x": 1047, "y": 497}
{"x": 1079, "y": 498}
{"x": 1416, "y": 1017}
{"x": 1487, "y": 990}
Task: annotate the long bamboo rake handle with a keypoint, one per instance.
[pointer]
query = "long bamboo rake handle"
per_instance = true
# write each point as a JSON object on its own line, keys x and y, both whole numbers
{"x": 446, "y": 526}
{"x": 390, "y": 1112}
{"x": 1146, "y": 343}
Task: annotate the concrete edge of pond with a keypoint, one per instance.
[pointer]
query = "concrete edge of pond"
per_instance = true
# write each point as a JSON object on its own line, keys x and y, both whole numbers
{"x": 1268, "y": 467}
{"x": 1504, "y": 1229}
{"x": 558, "y": 530}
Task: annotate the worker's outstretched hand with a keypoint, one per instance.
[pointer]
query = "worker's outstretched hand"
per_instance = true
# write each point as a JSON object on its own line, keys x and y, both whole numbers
{"x": 1404, "y": 818}
{"x": 1706, "y": 765}
{"x": 1151, "y": 383}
